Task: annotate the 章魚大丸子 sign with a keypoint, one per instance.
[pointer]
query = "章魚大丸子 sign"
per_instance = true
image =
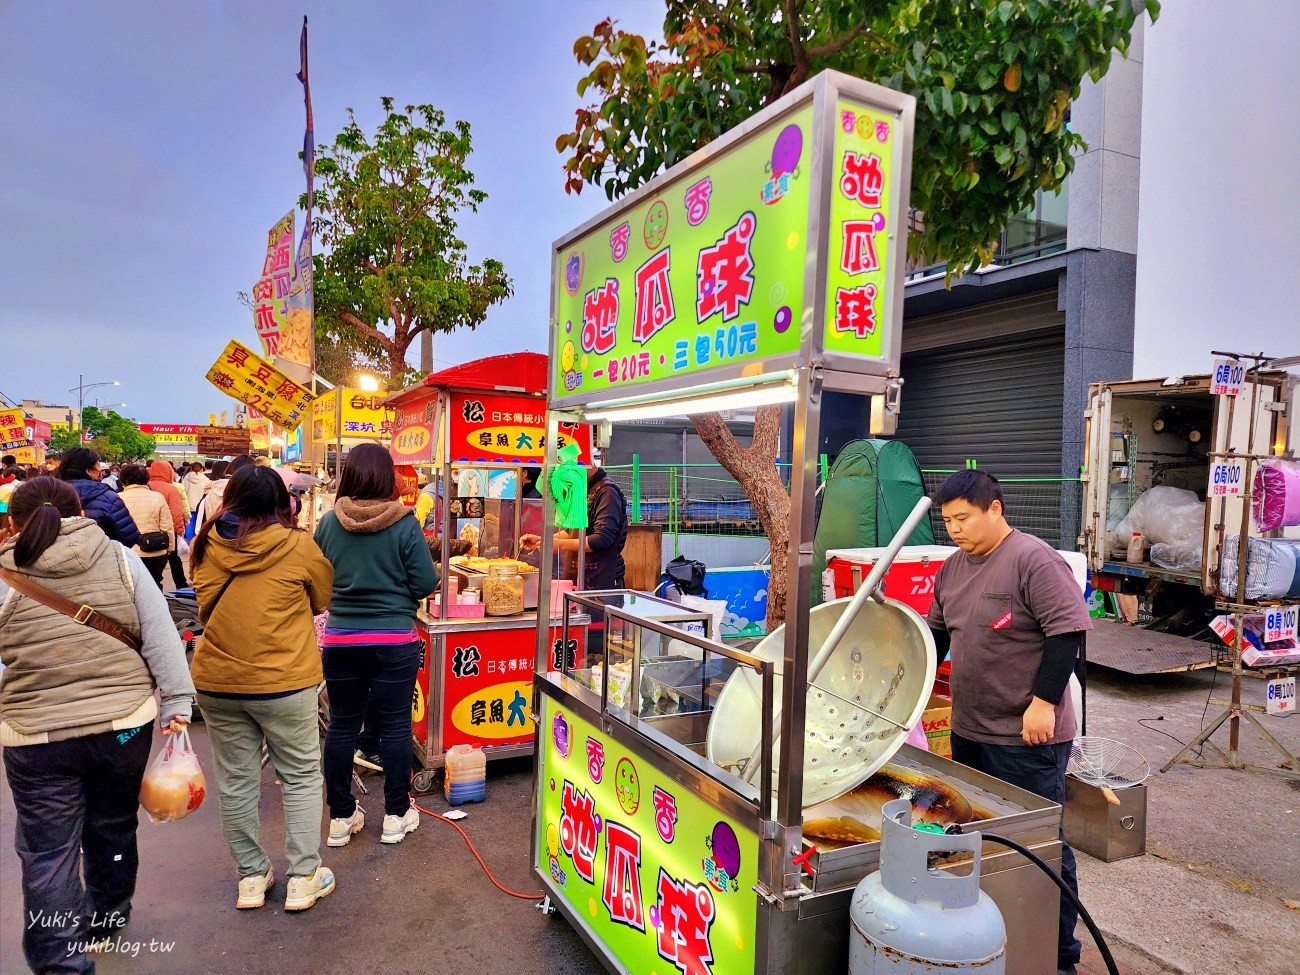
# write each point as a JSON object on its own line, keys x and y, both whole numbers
{"x": 242, "y": 375}
{"x": 660, "y": 877}
{"x": 495, "y": 427}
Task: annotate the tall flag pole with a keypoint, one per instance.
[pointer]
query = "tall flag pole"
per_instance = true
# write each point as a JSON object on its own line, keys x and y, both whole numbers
{"x": 309, "y": 168}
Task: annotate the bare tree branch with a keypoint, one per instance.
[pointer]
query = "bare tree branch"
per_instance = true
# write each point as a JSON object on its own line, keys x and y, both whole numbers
{"x": 834, "y": 47}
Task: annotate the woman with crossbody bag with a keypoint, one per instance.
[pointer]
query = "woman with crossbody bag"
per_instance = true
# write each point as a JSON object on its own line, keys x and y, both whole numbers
{"x": 85, "y": 637}
{"x": 152, "y": 517}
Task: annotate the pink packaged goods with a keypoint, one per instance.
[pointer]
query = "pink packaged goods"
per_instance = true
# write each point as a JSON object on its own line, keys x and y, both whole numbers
{"x": 1276, "y": 501}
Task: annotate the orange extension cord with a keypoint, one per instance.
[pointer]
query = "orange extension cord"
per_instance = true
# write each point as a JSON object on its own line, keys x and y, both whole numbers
{"x": 496, "y": 883}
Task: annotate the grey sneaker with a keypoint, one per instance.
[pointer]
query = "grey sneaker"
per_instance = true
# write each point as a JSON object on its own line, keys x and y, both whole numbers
{"x": 252, "y": 890}
{"x": 303, "y": 892}
{"x": 341, "y": 830}
{"x": 396, "y": 827}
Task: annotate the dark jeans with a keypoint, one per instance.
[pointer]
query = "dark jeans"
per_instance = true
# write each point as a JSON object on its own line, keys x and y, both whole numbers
{"x": 75, "y": 797}
{"x": 1039, "y": 769}
{"x": 357, "y": 676}
{"x": 155, "y": 564}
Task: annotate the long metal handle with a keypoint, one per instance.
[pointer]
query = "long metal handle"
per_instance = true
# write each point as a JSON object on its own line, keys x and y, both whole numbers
{"x": 865, "y": 592}
{"x": 867, "y": 589}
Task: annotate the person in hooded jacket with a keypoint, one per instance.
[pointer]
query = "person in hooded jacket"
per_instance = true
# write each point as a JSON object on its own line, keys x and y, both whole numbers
{"x": 371, "y": 650}
{"x": 162, "y": 480}
{"x": 260, "y": 580}
{"x": 80, "y": 468}
{"x": 75, "y": 707}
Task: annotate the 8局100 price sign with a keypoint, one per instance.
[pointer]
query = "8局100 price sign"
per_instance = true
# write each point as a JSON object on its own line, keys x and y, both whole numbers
{"x": 1280, "y": 623}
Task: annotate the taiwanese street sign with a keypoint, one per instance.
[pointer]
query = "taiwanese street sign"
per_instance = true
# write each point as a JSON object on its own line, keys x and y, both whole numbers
{"x": 350, "y": 414}
{"x": 13, "y": 430}
{"x": 223, "y": 440}
{"x": 780, "y": 244}
{"x": 242, "y": 375}
{"x": 498, "y": 427}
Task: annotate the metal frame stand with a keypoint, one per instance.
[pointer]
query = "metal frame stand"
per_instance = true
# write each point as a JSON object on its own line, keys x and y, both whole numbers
{"x": 1233, "y": 709}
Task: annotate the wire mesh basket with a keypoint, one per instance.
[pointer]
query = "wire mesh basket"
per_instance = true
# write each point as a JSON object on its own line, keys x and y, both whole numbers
{"x": 1107, "y": 764}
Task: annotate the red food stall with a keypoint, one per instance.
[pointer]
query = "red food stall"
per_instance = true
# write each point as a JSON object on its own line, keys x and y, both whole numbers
{"x": 473, "y": 429}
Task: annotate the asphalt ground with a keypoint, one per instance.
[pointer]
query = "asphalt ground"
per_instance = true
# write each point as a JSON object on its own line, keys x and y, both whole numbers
{"x": 1210, "y": 896}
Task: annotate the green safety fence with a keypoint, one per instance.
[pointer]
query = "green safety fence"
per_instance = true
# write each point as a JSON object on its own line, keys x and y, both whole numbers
{"x": 703, "y": 499}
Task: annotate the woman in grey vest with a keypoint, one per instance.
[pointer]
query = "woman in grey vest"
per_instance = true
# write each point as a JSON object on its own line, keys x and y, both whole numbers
{"x": 75, "y": 709}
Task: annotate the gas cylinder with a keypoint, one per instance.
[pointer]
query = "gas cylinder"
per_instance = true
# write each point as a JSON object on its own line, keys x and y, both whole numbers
{"x": 910, "y": 919}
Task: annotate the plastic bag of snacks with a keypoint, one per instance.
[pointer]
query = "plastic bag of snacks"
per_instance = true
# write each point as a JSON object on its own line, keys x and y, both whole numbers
{"x": 173, "y": 785}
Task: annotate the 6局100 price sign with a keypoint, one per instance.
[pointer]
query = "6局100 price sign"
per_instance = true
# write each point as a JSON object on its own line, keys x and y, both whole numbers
{"x": 1226, "y": 478}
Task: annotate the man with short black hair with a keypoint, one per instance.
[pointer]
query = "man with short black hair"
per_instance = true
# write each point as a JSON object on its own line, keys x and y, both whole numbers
{"x": 1010, "y": 610}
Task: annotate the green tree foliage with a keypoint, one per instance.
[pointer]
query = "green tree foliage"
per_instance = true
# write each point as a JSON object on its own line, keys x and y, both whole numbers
{"x": 63, "y": 438}
{"x": 993, "y": 80}
{"x": 116, "y": 438}
{"x": 387, "y": 212}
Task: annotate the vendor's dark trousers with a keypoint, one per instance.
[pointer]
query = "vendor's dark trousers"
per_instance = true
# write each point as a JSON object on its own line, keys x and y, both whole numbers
{"x": 356, "y": 676}
{"x": 155, "y": 564}
{"x": 73, "y": 797}
{"x": 1039, "y": 769}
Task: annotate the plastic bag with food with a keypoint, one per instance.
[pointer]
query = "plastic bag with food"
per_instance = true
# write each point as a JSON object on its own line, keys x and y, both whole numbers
{"x": 173, "y": 785}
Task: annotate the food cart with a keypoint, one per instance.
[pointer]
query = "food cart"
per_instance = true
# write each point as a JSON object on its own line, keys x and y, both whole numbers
{"x": 677, "y": 818}
{"x": 472, "y": 429}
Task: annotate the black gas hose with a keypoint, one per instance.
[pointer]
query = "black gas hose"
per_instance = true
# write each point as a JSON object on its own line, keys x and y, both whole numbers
{"x": 1042, "y": 865}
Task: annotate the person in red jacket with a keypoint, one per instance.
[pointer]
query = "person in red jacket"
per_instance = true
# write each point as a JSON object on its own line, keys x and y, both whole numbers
{"x": 162, "y": 479}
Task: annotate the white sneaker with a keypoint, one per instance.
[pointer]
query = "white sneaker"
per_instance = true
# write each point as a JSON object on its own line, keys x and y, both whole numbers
{"x": 252, "y": 890}
{"x": 303, "y": 892}
{"x": 396, "y": 827}
{"x": 341, "y": 830}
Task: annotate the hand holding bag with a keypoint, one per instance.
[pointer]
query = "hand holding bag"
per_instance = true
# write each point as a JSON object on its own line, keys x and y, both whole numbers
{"x": 173, "y": 785}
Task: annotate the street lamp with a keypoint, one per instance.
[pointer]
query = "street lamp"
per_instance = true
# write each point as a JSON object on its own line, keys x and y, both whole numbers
{"x": 80, "y": 390}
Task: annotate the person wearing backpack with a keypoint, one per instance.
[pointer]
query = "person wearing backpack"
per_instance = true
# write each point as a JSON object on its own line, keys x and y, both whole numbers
{"x": 260, "y": 581}
{"x": 75, "y": 706}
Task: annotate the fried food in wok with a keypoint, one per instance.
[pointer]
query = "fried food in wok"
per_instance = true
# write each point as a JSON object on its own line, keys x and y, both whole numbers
{"x": 855, "y": 816}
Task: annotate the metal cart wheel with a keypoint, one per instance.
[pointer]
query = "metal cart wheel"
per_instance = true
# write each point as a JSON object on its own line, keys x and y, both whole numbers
{"x": 423, "y": 781}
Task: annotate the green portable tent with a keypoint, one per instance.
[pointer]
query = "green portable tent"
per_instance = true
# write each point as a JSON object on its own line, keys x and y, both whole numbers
{"x": 870, "y": 490}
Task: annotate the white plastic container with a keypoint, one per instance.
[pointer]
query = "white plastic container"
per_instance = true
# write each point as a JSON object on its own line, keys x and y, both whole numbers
{"x": 1135, "y": 549}
{"x": 465, "y": 774}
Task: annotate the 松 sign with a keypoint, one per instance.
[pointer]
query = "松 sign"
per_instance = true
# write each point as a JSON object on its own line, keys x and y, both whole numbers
{"x": 1227, "y": 378}
{"x": 1226, "y": 478}
{"x": 717, "y": 270}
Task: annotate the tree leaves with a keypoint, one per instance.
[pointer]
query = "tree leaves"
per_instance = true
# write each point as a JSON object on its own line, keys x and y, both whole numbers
{"x": 993, "y": 85}
{"x": 388, "y": 213}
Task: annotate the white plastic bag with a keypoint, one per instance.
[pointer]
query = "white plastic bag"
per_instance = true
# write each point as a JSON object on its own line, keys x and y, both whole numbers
{"x": 173, "y": 785}
{"x": 1162, "y": 514}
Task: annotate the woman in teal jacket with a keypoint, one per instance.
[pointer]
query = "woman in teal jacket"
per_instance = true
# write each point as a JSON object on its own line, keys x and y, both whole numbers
{"x": 371, "y": 650}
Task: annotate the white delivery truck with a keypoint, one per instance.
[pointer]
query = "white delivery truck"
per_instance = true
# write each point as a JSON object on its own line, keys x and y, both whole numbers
{"x": 1149, "y": 450}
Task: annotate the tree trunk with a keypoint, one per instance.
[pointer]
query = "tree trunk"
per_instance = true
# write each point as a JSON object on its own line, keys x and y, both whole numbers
{"x": 754, "y": 468}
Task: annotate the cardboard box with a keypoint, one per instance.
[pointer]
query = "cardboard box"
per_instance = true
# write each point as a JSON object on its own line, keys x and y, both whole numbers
{"x": 936, "y": 721}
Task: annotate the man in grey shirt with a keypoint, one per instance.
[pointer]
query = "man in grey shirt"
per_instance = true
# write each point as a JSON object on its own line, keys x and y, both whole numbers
{"x": 1011, "y": 612}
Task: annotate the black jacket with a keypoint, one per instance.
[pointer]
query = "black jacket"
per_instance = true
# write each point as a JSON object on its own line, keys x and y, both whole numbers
{"x": 606, "y": 533}
{"x": 101, "y": 504}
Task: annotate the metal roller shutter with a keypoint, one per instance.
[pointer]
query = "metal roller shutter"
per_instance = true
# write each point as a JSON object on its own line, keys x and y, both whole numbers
{"x": 996, "y": 398}
{"x": 998, "y": 402}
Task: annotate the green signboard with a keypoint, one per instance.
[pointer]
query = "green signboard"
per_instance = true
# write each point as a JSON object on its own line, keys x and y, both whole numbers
{"x": 705, "y": 272}
{"x": 663, "y": 880}
{"x": 861, "y": 240}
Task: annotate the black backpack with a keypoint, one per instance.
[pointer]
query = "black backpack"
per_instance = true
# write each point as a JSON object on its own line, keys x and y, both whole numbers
{"x": 687, "y": 575}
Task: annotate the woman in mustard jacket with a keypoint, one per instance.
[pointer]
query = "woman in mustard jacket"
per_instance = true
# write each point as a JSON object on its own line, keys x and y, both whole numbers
{"x": 260, "y": 580}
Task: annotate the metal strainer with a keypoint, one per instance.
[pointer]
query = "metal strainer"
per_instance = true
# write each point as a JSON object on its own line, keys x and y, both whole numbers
{"x": 1108, "y": 765}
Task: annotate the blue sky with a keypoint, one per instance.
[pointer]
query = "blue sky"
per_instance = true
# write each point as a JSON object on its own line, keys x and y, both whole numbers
{"x": 148, "y": 147}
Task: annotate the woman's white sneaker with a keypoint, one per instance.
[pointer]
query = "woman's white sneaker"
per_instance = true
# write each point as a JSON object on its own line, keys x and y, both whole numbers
{"x": 341, "y": 830}
{"x": 396, "y": 827}
{"x": 303, "y": 892}
{"x": 252, "y": 890}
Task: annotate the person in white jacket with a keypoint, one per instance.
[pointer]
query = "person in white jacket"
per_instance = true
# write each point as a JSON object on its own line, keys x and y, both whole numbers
{"x": 195, "y": 485}
{"x": 212, "y": 500}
